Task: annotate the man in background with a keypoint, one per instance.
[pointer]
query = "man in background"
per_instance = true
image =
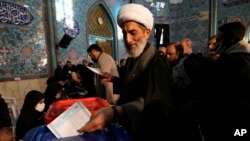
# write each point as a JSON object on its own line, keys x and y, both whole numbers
{"x": 107, "y": 64}
{"x": 225, "y": 102}
{"x": 162, "y": 50}
{"x": 187, "y": 45}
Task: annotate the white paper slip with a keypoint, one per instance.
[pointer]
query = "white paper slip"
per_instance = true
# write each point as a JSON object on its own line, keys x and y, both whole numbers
{"x": 95, "y": 70}
{"x": 66, "y": 124}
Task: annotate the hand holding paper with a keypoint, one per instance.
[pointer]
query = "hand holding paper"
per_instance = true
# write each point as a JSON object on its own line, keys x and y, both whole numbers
{"x": 106, "y": 77}
{"x": 95, "y": 70}
{"x": 99, "y": 120}
{"x": 103, "y": 75}
{"x": 69, "y": 121}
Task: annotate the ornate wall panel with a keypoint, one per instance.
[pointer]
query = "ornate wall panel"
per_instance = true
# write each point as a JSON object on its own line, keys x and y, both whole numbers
{"x": 23, "y": 51}
{"x": 78, "y": 9}
{"x": 99, "y": 23}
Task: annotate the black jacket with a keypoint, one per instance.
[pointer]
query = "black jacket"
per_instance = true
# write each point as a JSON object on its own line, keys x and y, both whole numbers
{"x": 146, "y": 98}
{"x": 225, "y": 96}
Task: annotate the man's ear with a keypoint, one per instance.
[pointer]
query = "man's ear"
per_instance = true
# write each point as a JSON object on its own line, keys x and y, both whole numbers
{"x": 147, "y": 32}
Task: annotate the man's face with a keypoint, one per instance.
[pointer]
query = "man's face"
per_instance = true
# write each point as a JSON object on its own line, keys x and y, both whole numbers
{"x": 187, "y": 49}
{"x": 162, "y": 50}
{"x": 135, "y": 38}
{"x": 171, "y": 54}
{"x": 93, "y": 55}
{"x": 219, "y": 46}
{"x": 69, "y": 64}
{"x": 211, "y": 44}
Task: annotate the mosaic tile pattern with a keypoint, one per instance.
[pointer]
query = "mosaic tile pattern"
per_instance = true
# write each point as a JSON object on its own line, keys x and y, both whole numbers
{"x": 193, "y": 17}
{"x": 184, "y": 21}
{"x": 99, "y": 23}
{"x": 23, "y": 50}
{"x": 80, "y": 44}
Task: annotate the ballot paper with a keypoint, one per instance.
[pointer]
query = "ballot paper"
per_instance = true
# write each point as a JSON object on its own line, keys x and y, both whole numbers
{"x": 66, "y": 124}
{"x": 95, "y": 70}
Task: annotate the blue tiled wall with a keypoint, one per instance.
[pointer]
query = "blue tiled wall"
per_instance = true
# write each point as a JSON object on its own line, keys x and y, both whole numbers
{"x": 23, "y": 48}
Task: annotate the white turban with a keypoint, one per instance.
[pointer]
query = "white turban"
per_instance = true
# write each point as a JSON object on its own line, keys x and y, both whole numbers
{"x": 137, "y": 13}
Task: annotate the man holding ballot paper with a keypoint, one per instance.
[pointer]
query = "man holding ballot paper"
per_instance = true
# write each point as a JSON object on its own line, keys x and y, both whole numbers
{"x": 145, "y": 102}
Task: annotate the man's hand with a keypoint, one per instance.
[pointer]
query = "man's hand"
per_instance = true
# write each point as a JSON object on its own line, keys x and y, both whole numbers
{"x": 99, "y": 120}
{"x": 106, "y": 77}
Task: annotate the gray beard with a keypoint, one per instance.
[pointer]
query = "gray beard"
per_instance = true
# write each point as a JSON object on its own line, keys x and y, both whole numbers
{"x": 134, "y": 53}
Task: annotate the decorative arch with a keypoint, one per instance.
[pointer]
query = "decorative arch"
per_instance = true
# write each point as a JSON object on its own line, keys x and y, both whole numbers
{"x": 101, "y": 28}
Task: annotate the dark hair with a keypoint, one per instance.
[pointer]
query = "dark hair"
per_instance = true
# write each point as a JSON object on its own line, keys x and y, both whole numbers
{"x": 214, "y": 36}
{"x": 171, "y": 43}
{"x": 179, "y": 49}
{"x": 94, "y": 47}
{"x": 233, "y": 31}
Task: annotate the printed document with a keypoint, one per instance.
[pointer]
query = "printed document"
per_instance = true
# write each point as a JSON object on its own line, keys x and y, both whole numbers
{"x": 95, "y": 70}
{"x": 66, "y": 124}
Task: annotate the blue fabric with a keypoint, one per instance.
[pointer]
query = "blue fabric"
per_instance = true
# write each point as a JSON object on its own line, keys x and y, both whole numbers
{"x": 113, "y": 132}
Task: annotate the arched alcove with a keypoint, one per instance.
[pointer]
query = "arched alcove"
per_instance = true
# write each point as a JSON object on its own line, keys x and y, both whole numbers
{"x": 101, "y": 28}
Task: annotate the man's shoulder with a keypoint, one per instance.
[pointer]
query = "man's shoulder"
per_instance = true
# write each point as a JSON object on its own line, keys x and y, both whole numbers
{"x": 157, "y": 58}
{"x": 105, "y": 56}
{"x": 235, "y": 58}
{"x": 159, "y": 62}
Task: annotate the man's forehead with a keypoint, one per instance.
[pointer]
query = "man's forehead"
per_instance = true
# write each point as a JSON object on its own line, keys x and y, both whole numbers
{"x": 130, "y": 24}
{"x": 171, "y": 48}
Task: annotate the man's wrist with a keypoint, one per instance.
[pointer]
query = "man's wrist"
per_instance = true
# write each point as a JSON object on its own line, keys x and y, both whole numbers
{"x": 116, "y": 113}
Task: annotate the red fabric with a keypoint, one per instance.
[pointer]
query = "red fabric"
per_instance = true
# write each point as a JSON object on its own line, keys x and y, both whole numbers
{"x": 92, "y": 103}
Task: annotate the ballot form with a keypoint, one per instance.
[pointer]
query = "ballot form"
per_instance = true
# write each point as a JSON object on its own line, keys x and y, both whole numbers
{"x": 66, "y": 124}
